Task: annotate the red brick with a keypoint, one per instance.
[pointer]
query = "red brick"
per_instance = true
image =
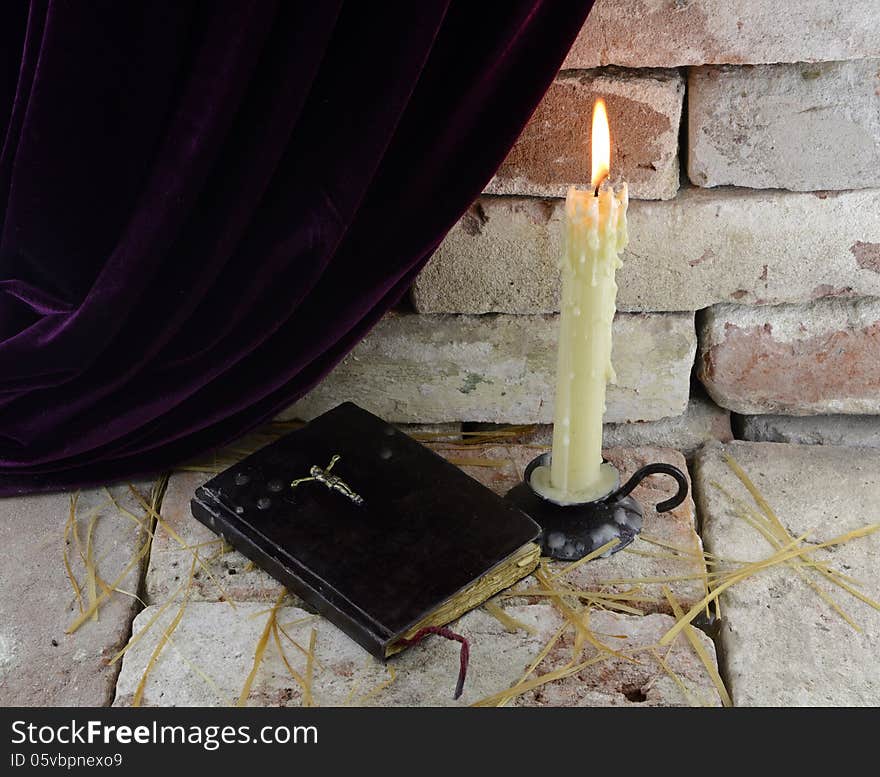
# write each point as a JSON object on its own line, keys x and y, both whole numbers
{"x": 553, "y": 151}
{"x": 822, "y": 357}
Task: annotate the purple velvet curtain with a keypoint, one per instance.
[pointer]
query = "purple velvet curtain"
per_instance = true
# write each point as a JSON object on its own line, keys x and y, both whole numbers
{"x": 205, "y": 205}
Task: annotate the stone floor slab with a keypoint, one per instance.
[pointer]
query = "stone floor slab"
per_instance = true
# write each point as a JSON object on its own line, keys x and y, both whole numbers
{"x": 624, "y": 683}
{"x": 212, "y": 649}
{"x": 221, "y": 573}
{"x": 781, "y": 644}
{"x": 40, "y": 664}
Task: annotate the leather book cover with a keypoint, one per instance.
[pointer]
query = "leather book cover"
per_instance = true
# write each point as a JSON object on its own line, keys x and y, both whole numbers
{"x": 388, "y": 535}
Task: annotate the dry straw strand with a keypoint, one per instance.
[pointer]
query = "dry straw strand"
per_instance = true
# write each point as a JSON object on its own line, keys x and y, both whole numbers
{"x": 259, "y": 651}
{"x": 700, "y": 650}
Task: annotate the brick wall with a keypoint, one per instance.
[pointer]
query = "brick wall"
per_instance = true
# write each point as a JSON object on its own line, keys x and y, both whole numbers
{"x": 750, "y": 135}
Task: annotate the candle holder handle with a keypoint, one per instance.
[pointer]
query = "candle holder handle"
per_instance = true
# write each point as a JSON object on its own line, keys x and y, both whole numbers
{"x": 655, "y": 469}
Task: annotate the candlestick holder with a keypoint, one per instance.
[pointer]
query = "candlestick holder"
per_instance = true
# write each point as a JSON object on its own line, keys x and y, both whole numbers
{"x": 571, "y": 531}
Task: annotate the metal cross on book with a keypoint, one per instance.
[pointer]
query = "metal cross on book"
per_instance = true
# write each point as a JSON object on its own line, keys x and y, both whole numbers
{"x": 333, "y": 482}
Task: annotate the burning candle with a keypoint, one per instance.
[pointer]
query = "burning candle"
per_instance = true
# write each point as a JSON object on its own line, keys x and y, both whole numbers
{"x": 595, "y": 234}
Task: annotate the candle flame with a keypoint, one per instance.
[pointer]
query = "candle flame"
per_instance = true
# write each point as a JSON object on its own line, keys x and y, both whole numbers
{"x": 600, "y": 153}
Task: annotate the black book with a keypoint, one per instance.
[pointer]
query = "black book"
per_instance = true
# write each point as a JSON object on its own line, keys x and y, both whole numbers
{"x": 378, "y": 533}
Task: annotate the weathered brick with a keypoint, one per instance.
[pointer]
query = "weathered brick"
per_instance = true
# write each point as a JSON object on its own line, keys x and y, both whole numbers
{"x": 783, "y": 645}
{"x": 793, "y": 359}
{"x": 40, "y": 664}
{"x": 501, "y": 467}
{"x": 669, "y": 33}
{"x": 430, "y": 369}
{"x": 702, "y": 421}
{"x": 861, "y": 431}
{"x": 703, "y": 247}
{"x": 220, "y": 643}
{"x": 801, "y": 127}
{"x": 426, "y": 432}
{"x": 553, "y": 151}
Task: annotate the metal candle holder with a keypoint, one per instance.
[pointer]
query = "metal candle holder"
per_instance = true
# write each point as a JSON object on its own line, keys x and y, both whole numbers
{"x": 572, "y": 531}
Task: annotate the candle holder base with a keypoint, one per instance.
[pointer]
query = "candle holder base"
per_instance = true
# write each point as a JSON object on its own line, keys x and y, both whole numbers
{"x": 570, "y": 532}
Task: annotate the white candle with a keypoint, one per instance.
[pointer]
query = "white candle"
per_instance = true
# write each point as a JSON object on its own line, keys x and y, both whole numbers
{"x": 595, "y": 234}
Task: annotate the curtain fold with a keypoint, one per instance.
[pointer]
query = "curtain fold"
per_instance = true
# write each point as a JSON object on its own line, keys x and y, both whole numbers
{"x": 205, "y": 206}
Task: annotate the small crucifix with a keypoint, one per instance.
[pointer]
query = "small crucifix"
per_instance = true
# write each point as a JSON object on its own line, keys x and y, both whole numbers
{"x": 332, "y": 482}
